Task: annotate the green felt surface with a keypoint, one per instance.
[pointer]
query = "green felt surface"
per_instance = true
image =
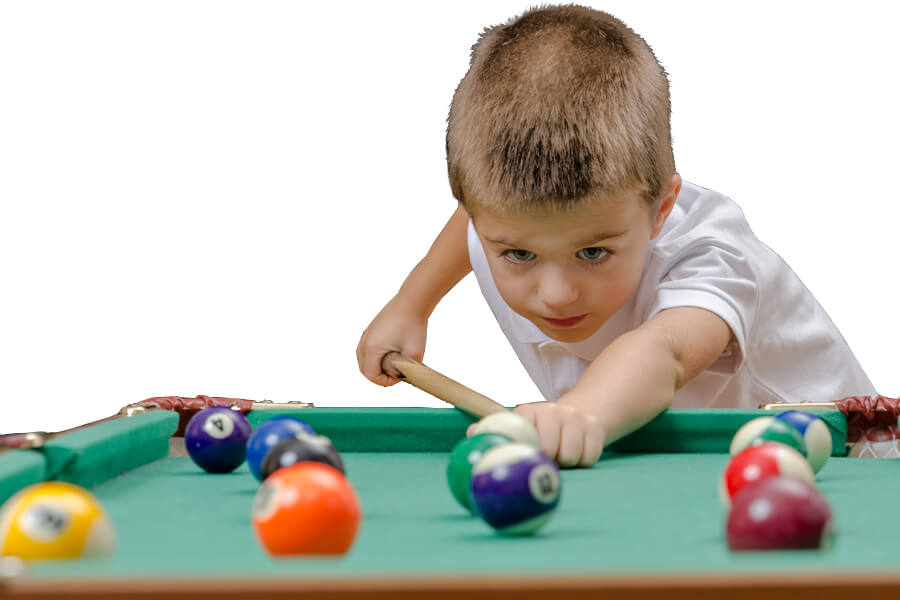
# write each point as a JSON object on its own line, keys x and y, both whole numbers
{"x": 653, "y": 513}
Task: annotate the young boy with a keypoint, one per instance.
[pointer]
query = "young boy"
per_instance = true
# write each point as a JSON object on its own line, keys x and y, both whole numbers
{"x": 622, "y": 289}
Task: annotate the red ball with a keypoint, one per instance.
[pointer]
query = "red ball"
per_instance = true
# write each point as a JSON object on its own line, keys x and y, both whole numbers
{"x": 759, "y": 462}
{"x": 308, "y": 508}
{"x": 778, "y": 513}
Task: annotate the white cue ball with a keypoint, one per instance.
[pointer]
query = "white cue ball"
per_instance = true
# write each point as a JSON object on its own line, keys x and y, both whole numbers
{"x": 509, "y": 424}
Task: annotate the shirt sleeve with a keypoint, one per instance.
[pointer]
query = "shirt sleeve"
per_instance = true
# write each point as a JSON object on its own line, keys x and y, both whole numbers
{"x": 715, "y": 276}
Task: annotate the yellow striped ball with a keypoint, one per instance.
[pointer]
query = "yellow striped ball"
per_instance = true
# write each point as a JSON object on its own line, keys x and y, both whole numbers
{"x": 55, "y": 520}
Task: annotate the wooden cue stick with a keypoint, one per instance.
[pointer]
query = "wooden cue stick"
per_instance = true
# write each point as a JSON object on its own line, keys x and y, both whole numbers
{"x": 440, "y": 386}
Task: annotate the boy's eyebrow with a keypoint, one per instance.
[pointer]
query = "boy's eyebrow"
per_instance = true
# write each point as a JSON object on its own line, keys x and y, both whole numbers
{"x": 590, "y": 240}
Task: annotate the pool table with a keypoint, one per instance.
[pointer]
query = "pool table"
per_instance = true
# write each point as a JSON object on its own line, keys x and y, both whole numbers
{"x": 646, "y": 521}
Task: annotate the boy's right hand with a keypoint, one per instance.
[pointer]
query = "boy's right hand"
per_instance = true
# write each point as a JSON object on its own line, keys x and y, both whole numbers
{"x": 397, "y": 328}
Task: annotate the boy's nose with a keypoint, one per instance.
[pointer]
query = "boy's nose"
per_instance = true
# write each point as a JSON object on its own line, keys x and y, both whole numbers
{"x": 557, "y": 291}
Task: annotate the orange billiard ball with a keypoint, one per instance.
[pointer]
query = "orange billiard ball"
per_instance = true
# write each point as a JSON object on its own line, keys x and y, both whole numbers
{"x": 306, "y": 509}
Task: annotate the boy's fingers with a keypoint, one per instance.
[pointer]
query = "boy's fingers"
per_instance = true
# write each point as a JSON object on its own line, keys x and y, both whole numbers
{"x": 370, "y": 367}
{"x": 548, "y": 426}
{"x": 376, "y": 375}
{"x": 594, "y": 439}
{"x": 386, "y": 365}
{"x": 385, "y": 380}
{"x": 571, "y": 445}
{"x": 528, "y": 411}
{"x": 593, "y": 448}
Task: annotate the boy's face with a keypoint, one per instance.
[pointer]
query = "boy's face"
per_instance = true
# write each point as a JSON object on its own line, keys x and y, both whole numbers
{"x": 569, "y": 273}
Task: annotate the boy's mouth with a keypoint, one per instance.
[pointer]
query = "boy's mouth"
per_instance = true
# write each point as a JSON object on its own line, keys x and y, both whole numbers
{"x": 565, "y": 323}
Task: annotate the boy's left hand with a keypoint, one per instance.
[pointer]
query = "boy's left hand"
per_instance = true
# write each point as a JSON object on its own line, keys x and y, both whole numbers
{"x": 569, "y": 436}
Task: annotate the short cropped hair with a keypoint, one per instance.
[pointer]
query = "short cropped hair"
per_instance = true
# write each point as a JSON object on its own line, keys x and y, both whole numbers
{"x": 559, "y": 104}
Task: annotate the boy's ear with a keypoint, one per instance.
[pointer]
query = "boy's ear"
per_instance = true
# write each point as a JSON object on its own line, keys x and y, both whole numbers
{"x": 666, "y": 206}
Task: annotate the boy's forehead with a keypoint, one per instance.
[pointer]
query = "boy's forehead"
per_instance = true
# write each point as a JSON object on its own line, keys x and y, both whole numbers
{"x": 588, "y": 221}
{"x": 621, "y": 206}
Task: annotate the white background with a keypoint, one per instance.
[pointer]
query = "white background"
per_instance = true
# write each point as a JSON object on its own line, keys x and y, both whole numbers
{"x": 217, "y": 197}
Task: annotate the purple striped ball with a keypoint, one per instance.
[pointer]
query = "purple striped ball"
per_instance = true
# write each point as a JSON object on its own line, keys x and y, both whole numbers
{"x": 515, "y": 488}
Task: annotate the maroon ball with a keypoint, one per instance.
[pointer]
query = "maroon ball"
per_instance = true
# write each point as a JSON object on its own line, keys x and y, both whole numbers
{"x": 778, "y": 513}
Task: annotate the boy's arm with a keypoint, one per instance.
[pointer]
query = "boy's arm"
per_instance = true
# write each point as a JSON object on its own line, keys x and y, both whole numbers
{"x": 401, "y": 325}
{"x": 635, "y": 377}
{"x": 445, "y": 264}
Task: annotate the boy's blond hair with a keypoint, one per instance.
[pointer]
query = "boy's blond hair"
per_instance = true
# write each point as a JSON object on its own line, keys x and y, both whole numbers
{"x": 559, "y": 104}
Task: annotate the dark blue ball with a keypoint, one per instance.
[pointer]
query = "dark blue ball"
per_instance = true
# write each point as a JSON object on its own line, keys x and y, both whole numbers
{"x": 216, "y": 439}
{"x": 267, "y": 435}
{"x": 515, "y": 488}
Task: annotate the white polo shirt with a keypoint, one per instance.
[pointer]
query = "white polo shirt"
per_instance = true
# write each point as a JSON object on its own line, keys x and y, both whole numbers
{"x": 786, "y": 349}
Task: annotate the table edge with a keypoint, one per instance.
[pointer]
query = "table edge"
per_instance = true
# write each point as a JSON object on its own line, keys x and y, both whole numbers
{"x": 814, "y": 586}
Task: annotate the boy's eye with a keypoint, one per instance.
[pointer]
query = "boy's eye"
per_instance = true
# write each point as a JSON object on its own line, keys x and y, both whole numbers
{"x": 519, "y": 256}
{"x": 592, "y": 254}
